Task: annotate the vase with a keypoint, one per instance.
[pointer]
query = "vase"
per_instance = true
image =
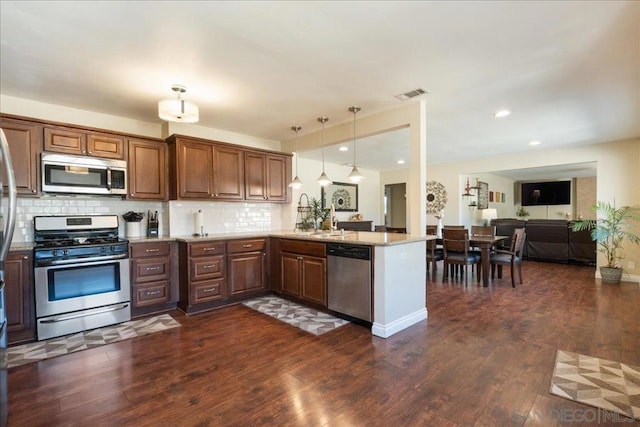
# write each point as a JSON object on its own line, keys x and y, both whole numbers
{"x": 610, "y": 275}
{"x": 132, "y": 229}
{"x": 439, "y": 229}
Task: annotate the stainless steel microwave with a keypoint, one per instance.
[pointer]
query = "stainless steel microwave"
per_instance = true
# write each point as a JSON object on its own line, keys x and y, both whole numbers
{"x": 63, "y": 173}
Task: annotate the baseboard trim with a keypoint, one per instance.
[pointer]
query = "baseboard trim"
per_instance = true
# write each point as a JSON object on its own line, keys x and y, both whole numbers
{"x": 386, "y": 330}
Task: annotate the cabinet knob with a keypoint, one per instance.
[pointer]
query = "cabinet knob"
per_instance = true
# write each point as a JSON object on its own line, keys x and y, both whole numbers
{"x": 131, "y": 194}
{"x": 25, "y": 257}
{"x": 84, "y": 151}
{"x": 247, "y": 246}
{"x": 153, "y": 268}
{"x": 153, "y": 250}
{"x": 153, "y": 292}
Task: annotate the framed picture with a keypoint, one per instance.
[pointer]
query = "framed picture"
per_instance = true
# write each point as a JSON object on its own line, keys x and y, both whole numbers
{"x": 483, "y": 195}
{"x": 343, "y": 196}
{"x": 491, "y": 196}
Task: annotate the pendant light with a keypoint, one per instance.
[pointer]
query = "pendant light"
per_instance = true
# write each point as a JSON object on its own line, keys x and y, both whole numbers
{"x": 323, "y": 180}
{"x": 296, "y": 183}
{"x": 355, "y": 176}
{"x": 178, "y": 110}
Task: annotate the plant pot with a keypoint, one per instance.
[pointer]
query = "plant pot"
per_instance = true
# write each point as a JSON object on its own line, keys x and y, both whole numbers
{"x": 610, "y": 275}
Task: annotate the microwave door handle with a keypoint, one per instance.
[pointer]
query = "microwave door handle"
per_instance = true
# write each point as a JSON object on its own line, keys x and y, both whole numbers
{"x": 109, "y": 179}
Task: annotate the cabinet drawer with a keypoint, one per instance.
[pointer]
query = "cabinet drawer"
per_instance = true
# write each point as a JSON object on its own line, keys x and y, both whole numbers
{"x": 207, "y": 291}
{"x": 207, "y": 268}
{"x": 303, "y": 247}
{"x": 206, "y": 249}
{"x": 240, "y": 246}
{"x": 150, "y": 294}
{"x": 150, "y": 269}
{"x": 154, "y": 249}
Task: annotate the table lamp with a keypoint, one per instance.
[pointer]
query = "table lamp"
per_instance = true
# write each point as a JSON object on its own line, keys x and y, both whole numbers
{"x": 488, "y": 215}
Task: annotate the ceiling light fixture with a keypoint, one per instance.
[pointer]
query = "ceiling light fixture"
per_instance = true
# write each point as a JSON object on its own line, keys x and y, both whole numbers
{"x": 343, "y": 148}
{"x": 355, "y": 176}
{"x": 534, "y": 143}
{"x": 502, "y": 113}
{"x": 296, "y": 183}
{"x": 323, "y": 180}
{"x": 178, "y": 110}
{"x": 400, "y": 162}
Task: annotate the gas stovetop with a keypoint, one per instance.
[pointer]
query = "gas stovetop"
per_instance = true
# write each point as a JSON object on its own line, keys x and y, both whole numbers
{"x": 71, "y": 239}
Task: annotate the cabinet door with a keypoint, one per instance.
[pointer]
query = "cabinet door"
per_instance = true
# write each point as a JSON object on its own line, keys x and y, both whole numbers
{"x": 63, "y": 140}
{"x": 212, "y": 290}
{"x": 255, "y": 176}
{"x": 195, "y": 166}
{"x": 314, "y": 280}
{"x": 104, "y": 145}
{"x": 276, "y": 185}
{"x": 290, "y": 270}
{"x": 228, "y": 173}
{"x": 19, "y": 299}
{"x": 245, "y": 272}
{"x": 23, "y": 139}
{"x": 206, "y": 268}
{"x": 147, "y": 170}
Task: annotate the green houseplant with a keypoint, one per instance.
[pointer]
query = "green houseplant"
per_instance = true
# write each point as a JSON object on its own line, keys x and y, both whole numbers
{"x": 319, "y": 215}
{"x": 612, "y": 227}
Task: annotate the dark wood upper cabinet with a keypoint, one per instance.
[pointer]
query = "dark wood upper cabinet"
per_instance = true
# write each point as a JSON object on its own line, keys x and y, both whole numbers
{"x": 24, "y": 144}
{"x": 202, "y": 169}
{"x": 64, "y": 140}
{"x": 277, "y": 184}
{"x": 194, "y": 170}
{"x": 265, "y": 177}
{"x": 147, "y": 170}
{"x": 228, "y": 173}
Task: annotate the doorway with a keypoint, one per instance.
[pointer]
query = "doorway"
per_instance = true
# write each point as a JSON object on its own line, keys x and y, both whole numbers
{"x": 395, "y": 205}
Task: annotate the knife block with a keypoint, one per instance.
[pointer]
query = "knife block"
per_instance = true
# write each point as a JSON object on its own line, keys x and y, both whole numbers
{"x": 152, "y": 228}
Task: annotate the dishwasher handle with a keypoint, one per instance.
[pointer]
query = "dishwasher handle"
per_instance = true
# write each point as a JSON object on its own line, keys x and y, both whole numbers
{"x": 349, "y": 251}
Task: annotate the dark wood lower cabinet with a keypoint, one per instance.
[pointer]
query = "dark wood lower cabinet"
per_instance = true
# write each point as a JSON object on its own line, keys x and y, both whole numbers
{"x": 303, "y": 269}
{"x": 19, "y": 298}
{"x": 154, "y": 284}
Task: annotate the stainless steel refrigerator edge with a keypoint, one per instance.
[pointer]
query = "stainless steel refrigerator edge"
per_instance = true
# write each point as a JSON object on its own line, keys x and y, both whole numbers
{"x": 6, "y": 234}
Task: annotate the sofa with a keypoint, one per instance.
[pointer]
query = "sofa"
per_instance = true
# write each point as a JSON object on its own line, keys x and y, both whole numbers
{"x": 550, "y": 240}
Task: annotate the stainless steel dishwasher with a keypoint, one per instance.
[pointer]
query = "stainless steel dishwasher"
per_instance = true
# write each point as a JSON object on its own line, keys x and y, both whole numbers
{"x": 349, "y": 280}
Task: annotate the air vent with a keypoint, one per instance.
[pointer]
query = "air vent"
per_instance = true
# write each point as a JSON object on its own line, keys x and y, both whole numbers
{"x": 412, "y": 94}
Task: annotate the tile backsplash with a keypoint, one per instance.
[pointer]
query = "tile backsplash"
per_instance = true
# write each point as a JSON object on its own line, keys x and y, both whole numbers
{"x": 176, "y": 217}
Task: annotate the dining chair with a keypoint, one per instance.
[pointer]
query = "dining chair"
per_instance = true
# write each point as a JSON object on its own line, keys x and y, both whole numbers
{"x": 455, "y": 244}
{"x": 434, "y": 254}
{"x": 511, "y": 257}
{"x": 455, "y": 227}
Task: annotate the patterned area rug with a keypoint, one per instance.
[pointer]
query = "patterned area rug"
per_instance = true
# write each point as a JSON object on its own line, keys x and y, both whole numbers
{"x": 612, "y": 386}
{"x": 307, "y": 319}
{"x": 33, "y": 352}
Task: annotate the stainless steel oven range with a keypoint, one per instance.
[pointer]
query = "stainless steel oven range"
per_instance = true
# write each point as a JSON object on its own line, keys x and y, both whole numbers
{"x": 81, "y": 273}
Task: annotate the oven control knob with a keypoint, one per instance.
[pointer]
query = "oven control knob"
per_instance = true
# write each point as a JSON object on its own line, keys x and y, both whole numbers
{"x": 65, "y": 251}
{"x": 103, "y": 249}
{"x": 54, "y": 252}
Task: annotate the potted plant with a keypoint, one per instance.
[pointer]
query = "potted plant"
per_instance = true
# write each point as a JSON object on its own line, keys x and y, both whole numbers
{"x": 522, "y": 212}
{"x": 612, "y": 227}
{"x": 318, "y": 213}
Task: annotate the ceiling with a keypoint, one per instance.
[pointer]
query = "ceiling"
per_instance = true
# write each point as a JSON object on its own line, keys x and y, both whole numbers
{"x": 568, "y": 70}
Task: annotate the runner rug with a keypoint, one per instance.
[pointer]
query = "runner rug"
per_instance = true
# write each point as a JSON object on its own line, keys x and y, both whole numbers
{"x": 309, "y": 320}
{"x": 608, "y": 385}
{"x": 34, "y": 352}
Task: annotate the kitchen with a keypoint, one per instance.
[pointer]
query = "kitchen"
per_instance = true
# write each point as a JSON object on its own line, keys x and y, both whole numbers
{"x": 176, "y": 216}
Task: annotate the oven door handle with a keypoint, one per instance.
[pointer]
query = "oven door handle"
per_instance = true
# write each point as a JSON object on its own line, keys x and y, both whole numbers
{"x": 85, "y": 314}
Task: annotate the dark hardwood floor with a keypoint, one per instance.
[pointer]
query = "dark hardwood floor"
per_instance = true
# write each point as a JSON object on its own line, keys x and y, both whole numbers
{"x": 484, "y": 357}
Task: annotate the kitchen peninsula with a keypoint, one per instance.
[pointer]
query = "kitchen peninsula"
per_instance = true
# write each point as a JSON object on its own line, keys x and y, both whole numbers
{"x": 398, "y": 269}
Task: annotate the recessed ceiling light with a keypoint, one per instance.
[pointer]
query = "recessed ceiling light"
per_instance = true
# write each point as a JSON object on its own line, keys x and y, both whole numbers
{"x": 534, "y": 143}
{"x": 502, "y": 113}
{"x": 343, "y": 148}
{"x": 401, "y": 162}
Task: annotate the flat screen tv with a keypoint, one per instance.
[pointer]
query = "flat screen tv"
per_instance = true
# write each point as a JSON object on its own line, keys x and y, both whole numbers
{"x": 546, "y": 193}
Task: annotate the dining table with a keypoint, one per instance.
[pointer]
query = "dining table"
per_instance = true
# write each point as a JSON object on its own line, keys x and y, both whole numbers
{"x": 484, "y": 243}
